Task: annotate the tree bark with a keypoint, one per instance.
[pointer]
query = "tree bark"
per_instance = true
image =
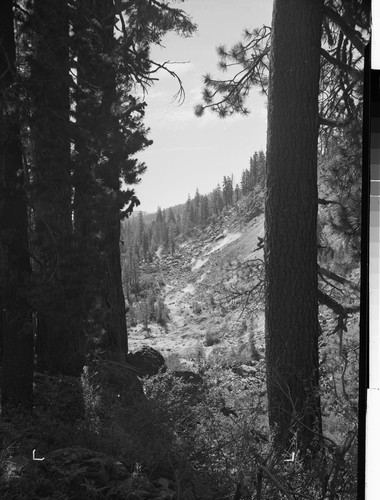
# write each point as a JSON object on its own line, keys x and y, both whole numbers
{"x": 113, "y": 292}
{"x": 291, "y": 222}
{"x": 99, "y": 163}
{"x": 60, "y": 342}
{"x": 15, "y": 268}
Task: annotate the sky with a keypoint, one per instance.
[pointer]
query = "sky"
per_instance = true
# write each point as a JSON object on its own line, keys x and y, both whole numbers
{"x": 189, "y": 152}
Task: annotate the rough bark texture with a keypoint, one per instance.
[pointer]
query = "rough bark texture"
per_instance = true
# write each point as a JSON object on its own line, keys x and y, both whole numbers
{"x": 113, "y": 292}
{"x": 60, "y": 341}
{"x": 15, "y": 269}
{"x": 291, "y": 221}
{"x": 99, "y": 163}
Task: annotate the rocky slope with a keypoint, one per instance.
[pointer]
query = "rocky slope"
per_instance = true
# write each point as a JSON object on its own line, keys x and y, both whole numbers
{"x": 199, "y": 330}
{"x": 188, "y": 280}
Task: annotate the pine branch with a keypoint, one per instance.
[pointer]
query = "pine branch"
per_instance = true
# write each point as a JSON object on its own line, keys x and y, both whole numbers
{"x": 339, "y": 279}
{"x": 322, "y": 201}
{"x": 340, "y": 310}
{"x": 355, "y": 73}
{"x": 353, "y": 35}
{"x": 180, "y": 95}
{"x": 333, "y": 123}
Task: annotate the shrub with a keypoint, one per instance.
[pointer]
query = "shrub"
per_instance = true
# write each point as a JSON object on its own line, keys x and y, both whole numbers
{"x": 161, "y": 312}
{"x": 212, "y": 337}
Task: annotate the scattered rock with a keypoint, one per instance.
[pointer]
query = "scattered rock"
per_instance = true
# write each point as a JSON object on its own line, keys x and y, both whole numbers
{"x": 186, "y": 363}
{"x": 196, "y": 307}
{"x": 244, "y": 370}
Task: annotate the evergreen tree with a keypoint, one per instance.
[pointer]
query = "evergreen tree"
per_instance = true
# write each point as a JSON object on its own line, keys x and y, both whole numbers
{"x": 188, "y": 217}
{"x": 253, "y": 169}
{"x": 216, "y": 200}
{"x": 140, "y": 234}
{"x": 342, "y": 27}
{"x": 16, "y": 335}
{"x": 227, "y": 191}
{"x": 197, "y": 207}
{"x": 172, "y": 234}
{"x": 204, "y": 211}
{"x": 60, "y": 344}
{"x": 236, "y": 194}
{"x": 245, "y": 182}
{"x": 108, "y": 68}
{"x": 179, "y": 224}
{"x": 290, "y": 223}
{"x": 171, "y": 216}
{"x": 261, "y": 170}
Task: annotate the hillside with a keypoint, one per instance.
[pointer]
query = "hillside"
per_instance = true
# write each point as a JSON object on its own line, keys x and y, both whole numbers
{"x": 207, "y": 324}
{"x": 189, "y": 280}
{"x": 212, "y": 319}
{"x": 199, "y": 431}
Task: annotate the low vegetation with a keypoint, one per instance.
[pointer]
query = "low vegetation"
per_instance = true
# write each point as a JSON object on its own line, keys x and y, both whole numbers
{"x": 208, "y": 441}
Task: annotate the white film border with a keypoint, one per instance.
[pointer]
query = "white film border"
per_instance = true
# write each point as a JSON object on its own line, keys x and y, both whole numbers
{"x": 372, "y": 480}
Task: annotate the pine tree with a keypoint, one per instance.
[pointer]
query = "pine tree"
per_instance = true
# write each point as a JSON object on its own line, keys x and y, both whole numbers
{"x": 197, "y": 207}
{"x": 343, "y": 26}
{"x": 16, "y": 334}
{"x": 216, "y": 200}
{"x": 290, "y": 223}
{"x": 171, "y": 216}
{"x": 60, "y": 344}
{"x": 245, "y": 182}
{"x": 108, "y": 136}
{"x": 204, "y": 211}
{"x": 227, "y": 191}
{"x": 236, "y": 194}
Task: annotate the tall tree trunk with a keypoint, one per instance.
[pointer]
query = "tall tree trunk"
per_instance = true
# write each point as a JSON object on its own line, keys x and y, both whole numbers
{"x": 15, "y": 270}
{"x": 99, "y": 163}
{"x": 88, "y": 123}
{"x": 60, "y": 346}
{"x": 117, "y": 328}
{"x": 113, "y": 290}
{"x": 291, "y": 222}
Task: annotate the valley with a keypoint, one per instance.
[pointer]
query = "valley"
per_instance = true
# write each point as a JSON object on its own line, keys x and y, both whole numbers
{"x": 188, "y": 279}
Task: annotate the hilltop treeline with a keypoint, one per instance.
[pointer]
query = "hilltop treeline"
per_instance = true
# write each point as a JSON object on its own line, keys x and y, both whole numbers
{"x": 145, "y": 238}
{"x": 144, "y": 235}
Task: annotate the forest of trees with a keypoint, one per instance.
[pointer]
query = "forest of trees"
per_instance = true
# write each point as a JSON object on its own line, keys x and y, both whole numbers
{"x": 142, "y": 235}
{"x": 71, "y": 125}
{"x": 145, "y": 236}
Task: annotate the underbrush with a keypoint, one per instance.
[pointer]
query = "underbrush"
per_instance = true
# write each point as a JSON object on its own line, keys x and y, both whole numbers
{"x": 181, "y": 441}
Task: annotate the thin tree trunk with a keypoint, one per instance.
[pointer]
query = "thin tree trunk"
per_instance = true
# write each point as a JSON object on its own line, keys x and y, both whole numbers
{"x": 15, "y": 274}
{"x": 291, "y": 222}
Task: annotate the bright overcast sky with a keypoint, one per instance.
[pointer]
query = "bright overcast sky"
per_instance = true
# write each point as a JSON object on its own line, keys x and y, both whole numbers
{"x": 190, "y": 152}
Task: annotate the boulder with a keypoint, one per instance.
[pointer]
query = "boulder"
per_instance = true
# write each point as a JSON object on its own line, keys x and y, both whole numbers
{"x": 147, "y": 360}
{"x": 245, "y": 370}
